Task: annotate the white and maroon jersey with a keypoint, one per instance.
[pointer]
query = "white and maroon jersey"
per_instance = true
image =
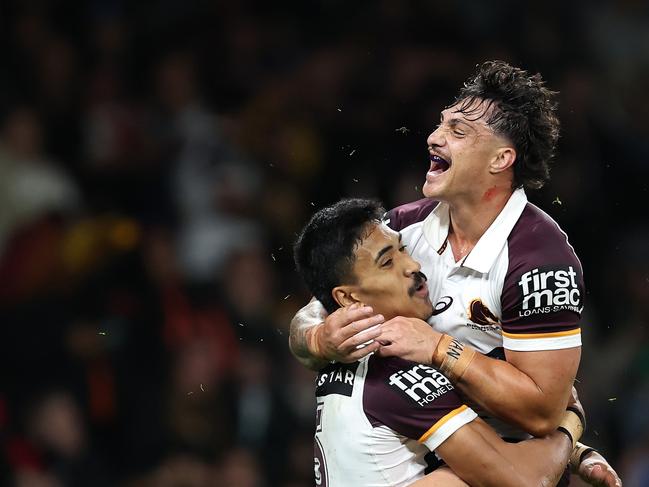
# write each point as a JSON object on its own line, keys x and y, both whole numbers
{"x": 520, "y": 288}
{"x": 377, "y": 419}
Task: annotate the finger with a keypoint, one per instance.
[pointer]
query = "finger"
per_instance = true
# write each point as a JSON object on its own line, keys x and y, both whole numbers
{"x": 360, "y": 338}
{"x": 359, "y": 326}
{"x": 344, "y": 317}
{"x": 394, "y": 321}
{"x": 601, "y": 475}
{"x": 361, "y": 352}
{"x": 387, "y": 351}
{"x": 612, "y": 479}
{"x": 387, "y": 333}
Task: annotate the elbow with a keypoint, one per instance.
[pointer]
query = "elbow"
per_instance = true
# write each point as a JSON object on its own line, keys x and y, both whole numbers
{"x": 541, "y": 425}
{"x": 541, "y": 428}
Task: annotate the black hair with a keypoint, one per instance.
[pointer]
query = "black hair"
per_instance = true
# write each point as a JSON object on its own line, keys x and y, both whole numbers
{"x": 324, "y": 250}
{"x": 523, "y": 110}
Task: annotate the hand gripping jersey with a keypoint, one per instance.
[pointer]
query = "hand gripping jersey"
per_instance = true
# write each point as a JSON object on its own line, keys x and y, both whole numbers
{"x": 377, "y": 419}
{"x": 520, "y": 288}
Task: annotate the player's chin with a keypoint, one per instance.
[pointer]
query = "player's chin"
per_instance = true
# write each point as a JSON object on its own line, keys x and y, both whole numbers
{"x": 423, "y": 306}
{"x": 433, "y": 189}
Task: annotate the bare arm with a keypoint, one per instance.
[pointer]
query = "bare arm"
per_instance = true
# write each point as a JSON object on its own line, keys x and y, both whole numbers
{"x": 529, "y": 390}
{"x": 482, "y": 459}
{"x": 302, "y": 324}
{"x": 317, "y": 338}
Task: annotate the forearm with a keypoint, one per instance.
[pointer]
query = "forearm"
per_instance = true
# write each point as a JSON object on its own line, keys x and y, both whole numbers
{"x": 482, "y": 459}
{"x": 511, "y": 395}
{"x": 529, "y": 390}
{"x": 303, "y": 323}
{"x": 539, "y": 461}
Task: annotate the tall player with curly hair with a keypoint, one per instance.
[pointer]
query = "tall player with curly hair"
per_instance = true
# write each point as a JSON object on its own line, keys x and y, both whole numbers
{"x": 504, "y": 279}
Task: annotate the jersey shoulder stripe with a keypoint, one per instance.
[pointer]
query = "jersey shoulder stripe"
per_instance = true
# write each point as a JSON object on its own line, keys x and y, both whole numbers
{"x": 441, "y": 422}
{"x": 542, "y": 341}
{"x": 529, "y": 336}
{"x": 446, "y": 426}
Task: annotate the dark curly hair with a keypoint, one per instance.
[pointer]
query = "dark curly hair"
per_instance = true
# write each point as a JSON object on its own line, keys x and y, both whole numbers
{"x": 522, "y": 109}
{"x": 324, "y": 251}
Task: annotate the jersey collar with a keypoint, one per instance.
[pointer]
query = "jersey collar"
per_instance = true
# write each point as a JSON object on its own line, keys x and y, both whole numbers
{"x": 483, "y": 255}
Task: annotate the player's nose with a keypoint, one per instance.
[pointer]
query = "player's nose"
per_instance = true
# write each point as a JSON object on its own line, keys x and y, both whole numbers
{"x": 436, "y": 138}
{"x": 412, "y": 266}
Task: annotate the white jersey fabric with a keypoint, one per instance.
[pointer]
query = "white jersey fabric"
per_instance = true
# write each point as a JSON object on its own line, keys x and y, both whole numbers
{"x": 377, "y": 419}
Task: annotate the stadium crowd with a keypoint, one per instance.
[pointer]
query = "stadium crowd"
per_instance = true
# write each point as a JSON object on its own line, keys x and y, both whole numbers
{"x": 158, "y": 158}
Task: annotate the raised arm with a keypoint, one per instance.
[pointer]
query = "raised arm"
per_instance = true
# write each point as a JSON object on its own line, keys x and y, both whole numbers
{"x": 317, "y": 338}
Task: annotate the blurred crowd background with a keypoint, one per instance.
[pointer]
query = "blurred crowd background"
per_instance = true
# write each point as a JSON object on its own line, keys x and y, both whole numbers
{"x": 158, "y": 158}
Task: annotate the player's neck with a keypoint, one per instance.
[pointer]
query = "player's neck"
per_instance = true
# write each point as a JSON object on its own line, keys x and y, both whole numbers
{"x": 471, "y": 217}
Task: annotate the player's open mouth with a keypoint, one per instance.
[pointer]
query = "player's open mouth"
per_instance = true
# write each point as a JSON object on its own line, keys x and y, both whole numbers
{"x": 419, "y": 286}
{"x": 438, "y": 165}
{"x": 422, "y": 290}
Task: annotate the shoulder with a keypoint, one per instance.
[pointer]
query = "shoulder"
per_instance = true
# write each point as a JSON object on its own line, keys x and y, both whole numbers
{"x": 543, "y": 289}
{"x": 405, "y": 215}
{"x": 536, "y": 239}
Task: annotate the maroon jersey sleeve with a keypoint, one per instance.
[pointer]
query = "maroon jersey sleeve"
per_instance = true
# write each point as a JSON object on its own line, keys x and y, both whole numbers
{"x": 414, "y": 400}
{"x": 543, "y": 290}
{"x": 405, "y": 215}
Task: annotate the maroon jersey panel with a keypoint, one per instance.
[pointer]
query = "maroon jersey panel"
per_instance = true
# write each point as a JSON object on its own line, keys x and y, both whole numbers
{"x": 406, "y": 396}
{"x": 405, "y": 215}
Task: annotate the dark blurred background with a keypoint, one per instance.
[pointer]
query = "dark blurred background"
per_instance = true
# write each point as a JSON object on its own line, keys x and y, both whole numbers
{"x": 158, "y": 158}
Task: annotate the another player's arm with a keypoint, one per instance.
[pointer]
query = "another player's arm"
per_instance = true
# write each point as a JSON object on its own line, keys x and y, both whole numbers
{"x": 317, "y": 338}
{"x": 482, "y": 459}
{"x": 529, "y": 390}
{"x": 302, "y": 326}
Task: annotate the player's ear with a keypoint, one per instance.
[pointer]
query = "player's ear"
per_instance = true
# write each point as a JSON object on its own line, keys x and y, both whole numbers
{"x": 343, "y": 296}
{"x": 504, "y": 159}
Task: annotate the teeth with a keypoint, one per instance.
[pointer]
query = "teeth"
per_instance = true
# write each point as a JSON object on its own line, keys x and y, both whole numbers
{"x": 439, "y": 159}
{"x": 439, "y": 164}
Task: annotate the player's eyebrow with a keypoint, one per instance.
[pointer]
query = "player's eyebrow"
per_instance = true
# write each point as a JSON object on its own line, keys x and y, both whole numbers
{"x": 385, "y": 249}
{"x": 455, "y": 121}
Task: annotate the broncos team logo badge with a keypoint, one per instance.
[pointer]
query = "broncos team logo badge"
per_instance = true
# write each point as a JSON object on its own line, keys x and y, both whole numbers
{"x": 481, "y": 315}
